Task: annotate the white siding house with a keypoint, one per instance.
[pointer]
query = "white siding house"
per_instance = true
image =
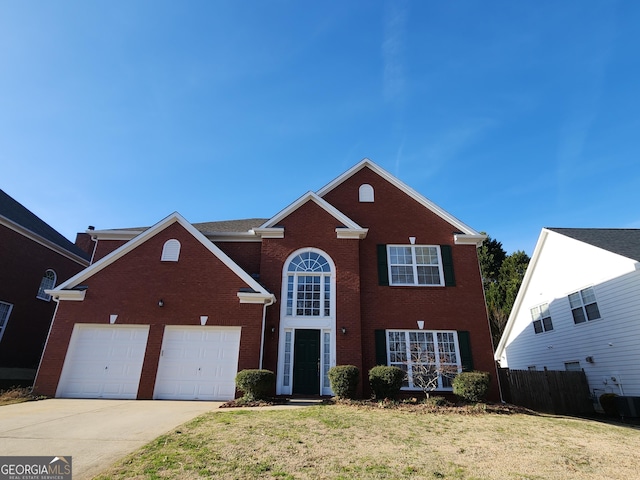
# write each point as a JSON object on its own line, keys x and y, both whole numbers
{"x": 579, "y": 308}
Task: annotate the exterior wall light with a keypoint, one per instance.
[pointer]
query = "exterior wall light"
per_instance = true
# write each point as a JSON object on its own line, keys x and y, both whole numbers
{"x": 344, "y": 330}
{"x": 161, "y": 303}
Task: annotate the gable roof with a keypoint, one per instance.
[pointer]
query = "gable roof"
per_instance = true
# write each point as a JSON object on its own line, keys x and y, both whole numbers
{"x": 14, "y": 215}
{"x": 348, "y": 229}
{"x": 71, "y": 290}
{"x": 623, "y": 241}
{"x": 465, "y": 230}
{"x": 254, "y": 229}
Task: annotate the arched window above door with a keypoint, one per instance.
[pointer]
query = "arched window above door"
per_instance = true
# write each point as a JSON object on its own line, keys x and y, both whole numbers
{"x": 308, "y": 285}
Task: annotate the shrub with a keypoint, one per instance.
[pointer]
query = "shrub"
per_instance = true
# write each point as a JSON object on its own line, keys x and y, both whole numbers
{"x": 471, "y": 386}
{"x": 386, "y": 382}
{"x": 436, "y": 402}
{"x": 608, "y": 404}
{"x": 256, "y": 384}
{"x": 344, "y": 380}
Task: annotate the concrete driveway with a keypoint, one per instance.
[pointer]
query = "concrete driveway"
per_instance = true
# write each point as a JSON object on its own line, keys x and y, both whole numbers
{"x": 95, "y": 433}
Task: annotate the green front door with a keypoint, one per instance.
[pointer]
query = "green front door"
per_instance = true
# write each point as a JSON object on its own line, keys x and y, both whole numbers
{"x": 306, "y": 362}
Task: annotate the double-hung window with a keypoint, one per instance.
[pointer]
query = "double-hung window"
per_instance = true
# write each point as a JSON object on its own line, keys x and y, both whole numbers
{"x": 541, "y": 318}
{"x": 428, "y": 357}
{"x": 415, "y": 265}
{"x": 5, "y": 311}
{"x": 584, "y": 306}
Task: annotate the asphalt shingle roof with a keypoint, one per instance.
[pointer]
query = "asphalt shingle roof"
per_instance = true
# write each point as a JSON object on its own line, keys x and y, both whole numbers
{"x": 230, "y": 225}
{"x": 623, "y": 241}
{"x": 20, "y": 215}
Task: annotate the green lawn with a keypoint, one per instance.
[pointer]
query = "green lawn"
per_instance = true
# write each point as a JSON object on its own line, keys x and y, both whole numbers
{"x": 345, "y": 442}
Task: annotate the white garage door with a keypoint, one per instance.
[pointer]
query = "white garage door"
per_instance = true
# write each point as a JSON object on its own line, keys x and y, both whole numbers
{"x": 198, "y": 363}
{"x": 103, "y": 361}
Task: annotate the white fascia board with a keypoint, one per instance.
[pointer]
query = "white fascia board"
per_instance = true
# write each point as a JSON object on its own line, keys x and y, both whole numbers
{"x": 402, "y": 186}
{"x": 463, "y": 239}
{"x": 502, "y": 344}
{"x": 72, "y": 295}
{"x": 355, "y": 233}
{"x": 42, "y": 241}
{"x": 125, "y": 235}
{"x": 254, "y": 297}
{"x": 270, "y": 232}
{"x": 144, "y": 236}
{"x": 326, "y": 206}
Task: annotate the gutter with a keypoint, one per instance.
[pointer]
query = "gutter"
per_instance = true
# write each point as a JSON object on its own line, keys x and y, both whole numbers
{"x": 270, "y": 302}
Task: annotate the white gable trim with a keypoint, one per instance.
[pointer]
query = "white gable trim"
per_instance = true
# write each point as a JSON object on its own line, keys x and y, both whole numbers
{"x": 402, "y": 186}
{"x": 149, "y": 233}
{"x": 521, "y": 294}
{"x": 349, "y": 229}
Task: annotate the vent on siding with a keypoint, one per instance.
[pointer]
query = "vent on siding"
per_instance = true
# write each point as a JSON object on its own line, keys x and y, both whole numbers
{"x": 170, "y": 251}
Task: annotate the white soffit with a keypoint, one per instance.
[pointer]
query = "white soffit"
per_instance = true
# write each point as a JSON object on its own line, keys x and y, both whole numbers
{"x": 402, "y": 186}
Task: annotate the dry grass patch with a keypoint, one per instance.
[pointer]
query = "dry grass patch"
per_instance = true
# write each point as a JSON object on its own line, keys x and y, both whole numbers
{"x": 15, "y": 395}
{"x": 353, "y": 441}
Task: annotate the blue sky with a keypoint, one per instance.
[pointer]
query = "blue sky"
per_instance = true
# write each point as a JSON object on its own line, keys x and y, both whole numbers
{"x": 510, "y": 115}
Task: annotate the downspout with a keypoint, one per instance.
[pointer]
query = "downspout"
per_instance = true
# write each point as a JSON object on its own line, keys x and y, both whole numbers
{"x": 46, "y": 343}
{"x": 264, "y": 324}
{"x": 94, "y": 239}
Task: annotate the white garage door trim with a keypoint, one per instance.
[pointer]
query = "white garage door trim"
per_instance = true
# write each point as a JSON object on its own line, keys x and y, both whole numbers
{"x": 198, "y": 363}
{"x": 103, "y": 361}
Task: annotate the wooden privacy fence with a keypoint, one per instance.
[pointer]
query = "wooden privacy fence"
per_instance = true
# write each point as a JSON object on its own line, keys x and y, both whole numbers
{"x": 551, "y": 391}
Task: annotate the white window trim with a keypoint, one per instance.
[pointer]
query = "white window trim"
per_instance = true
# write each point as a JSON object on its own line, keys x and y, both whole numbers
{"x": 584, "y": 305}
{"x": 3, "y": 325}
{"x": 42, "y": 295}
{"x": 541, "y": 319}
{"x": 411, "y": 387}
{"x": 415, "y": 266}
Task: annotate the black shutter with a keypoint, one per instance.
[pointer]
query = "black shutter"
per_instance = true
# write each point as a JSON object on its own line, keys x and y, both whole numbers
{"x": 447, "y": 266}
{"x": 381, "y": 347}
{"x": 464, "y": 342}
{"x": 383, "y": 266}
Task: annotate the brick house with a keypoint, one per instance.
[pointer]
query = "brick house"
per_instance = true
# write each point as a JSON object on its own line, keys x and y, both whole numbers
{"x": 364, "y": 271}
{"x": 33, "y": 257}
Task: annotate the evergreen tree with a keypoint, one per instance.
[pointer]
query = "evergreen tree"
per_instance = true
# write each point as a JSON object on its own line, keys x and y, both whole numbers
{"x": 502, "y": 276}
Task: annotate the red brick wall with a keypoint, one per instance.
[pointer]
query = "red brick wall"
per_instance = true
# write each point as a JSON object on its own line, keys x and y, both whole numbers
{"x": 83, "y": 240}
{"x": 245, "y": 254}
{"x": 198, "y": 284}
{"x": 105, "y": 247}
{"x": 23, "y": 263}
{"x": 392, "y": 219}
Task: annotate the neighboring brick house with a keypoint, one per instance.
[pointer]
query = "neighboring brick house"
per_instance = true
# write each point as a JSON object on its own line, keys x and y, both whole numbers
{"x": 364, "y": 271}
{"x": 33, "y": 257}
